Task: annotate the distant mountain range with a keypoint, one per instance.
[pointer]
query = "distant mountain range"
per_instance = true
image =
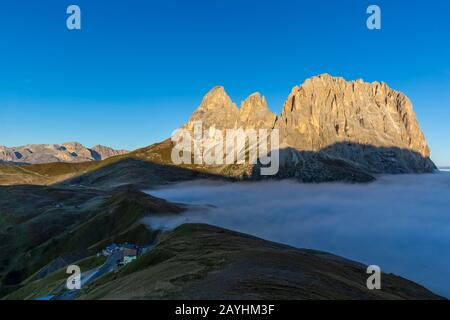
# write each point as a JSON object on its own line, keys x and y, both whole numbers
{"x": 48, "y": 153}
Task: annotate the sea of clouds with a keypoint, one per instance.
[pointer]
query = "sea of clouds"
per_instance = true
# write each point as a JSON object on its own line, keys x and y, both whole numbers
{"x": 401, "y": 223}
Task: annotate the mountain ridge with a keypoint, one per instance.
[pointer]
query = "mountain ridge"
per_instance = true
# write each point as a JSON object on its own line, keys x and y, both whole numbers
{"x": 197, "y": 261}
{"x": 336, "y": 87}
{"x": 384, "y": 138}
{"x": 71, "y": 152}
{"x": 378, "y": 123}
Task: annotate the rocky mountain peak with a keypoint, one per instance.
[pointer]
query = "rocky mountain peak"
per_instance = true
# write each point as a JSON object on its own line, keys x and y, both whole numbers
{"x": 326, "y": 110}
{"x": 367, "y": 125}
{"x": 47, "y": 153}
{"x": 255, "y": 113}
{"x": 74, "y": 149}
{"x": 100, "y": 152}
{"x": 219, "y": 111}
{"x": 217, "y": 98}
{"x": 216, "y": 110}
{"x": 72, "y": 144}
{"x": 216, "y": 91}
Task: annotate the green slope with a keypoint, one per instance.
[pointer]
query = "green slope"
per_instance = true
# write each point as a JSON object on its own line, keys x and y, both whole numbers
{"x": 206, "y": 262}
{"x": 36, "y": 232}
{"x": 52, "y": 283}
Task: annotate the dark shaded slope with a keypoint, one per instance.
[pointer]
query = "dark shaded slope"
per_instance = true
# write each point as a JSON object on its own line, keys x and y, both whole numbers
{"x": 206, "y": 262}
{"x": 340, "y": 162}
{"x": 30, "y": 216}
{"x": 48, "y": 173}
{"x": 152, "y": 166}
{"x": 136, "y": 173}
{"x": 69, "y": 224}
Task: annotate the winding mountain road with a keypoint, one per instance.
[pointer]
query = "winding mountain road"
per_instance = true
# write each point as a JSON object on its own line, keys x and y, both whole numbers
{"x": 90, "y": 275}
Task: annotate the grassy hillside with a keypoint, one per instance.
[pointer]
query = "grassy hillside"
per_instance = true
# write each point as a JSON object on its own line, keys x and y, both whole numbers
{"x": 141, "y": 168}
{"x": 48, "y": 173}
{"x": 55, "y": 214}
{"x": 206, "y": 262}
{"x": 53, "y": 282}
{"x": 69, "y": 224}
{"x": 152, "y": 166}
{"x": 31, "y": 216}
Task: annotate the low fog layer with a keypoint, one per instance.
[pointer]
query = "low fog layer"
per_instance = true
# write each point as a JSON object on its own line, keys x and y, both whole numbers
{"x": 401, "y": 223}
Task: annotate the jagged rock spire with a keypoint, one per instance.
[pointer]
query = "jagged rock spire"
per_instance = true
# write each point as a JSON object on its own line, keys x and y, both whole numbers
{"x": 216, "y": 109}
{"x": 255, "y": 114}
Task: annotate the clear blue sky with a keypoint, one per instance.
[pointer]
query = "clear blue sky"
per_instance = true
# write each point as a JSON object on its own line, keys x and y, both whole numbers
{"x": 138, "y": 68}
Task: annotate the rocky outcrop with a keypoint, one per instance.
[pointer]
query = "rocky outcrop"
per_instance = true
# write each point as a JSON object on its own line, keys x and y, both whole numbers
{"x": 326, "y": 110}
{"x": 47, "y": 153}
{"x": 255, "y": 114}
{"x": 100, "y": 152}
{"x": 219, "y": 111}
{"x": 368, "y": 124}
{"x": 330, "y": 124}
{"x": 216, "y": 110}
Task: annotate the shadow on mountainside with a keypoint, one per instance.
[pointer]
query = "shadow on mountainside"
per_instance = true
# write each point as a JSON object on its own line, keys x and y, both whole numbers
{"x": 197, "y": 261}
{"x": 136, "y": 173}
{"x": 344, "y": 161}
{"x": 348, "y": 162}
{"x": 68, "y": 224}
